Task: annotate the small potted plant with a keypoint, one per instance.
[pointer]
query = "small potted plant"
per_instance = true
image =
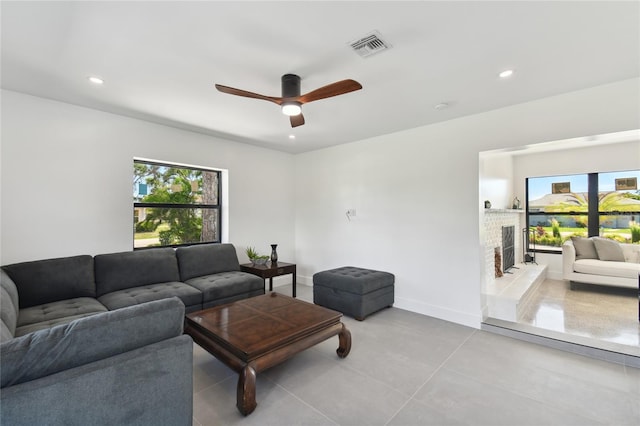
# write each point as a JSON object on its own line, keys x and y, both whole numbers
{"x": 255, "y": 258}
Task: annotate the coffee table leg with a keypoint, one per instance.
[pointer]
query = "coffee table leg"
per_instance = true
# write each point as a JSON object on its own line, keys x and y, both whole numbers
{"x": 345, "y": 342}
{"x": 246, "y": 397}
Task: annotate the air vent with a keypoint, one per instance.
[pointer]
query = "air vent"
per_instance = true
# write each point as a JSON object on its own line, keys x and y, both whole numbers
{"x": 369, "y": 44}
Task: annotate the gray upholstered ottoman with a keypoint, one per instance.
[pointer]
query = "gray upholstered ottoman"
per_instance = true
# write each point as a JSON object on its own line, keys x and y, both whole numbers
{"x": 356, "y": 292}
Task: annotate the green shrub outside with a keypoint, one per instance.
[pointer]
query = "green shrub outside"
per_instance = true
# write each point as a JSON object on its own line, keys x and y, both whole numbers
{"x": 146, "y": 226}
{"x": 544, "y": 239}
{"x": 581, "y": 222}
{"x": 635, "y": 231}
{"x": 555, "y": 228}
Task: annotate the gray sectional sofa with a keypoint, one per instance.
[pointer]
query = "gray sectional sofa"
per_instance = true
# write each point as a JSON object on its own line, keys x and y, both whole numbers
{"x": 98, "y": 339}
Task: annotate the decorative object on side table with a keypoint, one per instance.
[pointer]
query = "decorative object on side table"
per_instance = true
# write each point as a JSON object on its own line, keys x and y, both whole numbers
{"x": 274, "y": 253}
{"x": 255, "y": 258}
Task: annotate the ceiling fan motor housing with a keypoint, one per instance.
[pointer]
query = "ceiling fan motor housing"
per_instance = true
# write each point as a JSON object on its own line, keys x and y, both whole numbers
{"x": 290, "y": 86}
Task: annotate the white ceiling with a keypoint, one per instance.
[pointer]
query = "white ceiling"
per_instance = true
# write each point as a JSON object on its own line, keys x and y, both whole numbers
{"x": 160, "y": 60}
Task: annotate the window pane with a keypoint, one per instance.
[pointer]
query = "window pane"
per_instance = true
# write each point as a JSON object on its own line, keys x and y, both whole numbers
{"x": 208, "y": 189}
{"x": 559, "y": 194}
{"x": 154, "y": 183}
{"x": 619, "y": 206}
{"x": 174, "y": 205}
{"x": 557, "y": 209}
{"x": 175, "y": 226}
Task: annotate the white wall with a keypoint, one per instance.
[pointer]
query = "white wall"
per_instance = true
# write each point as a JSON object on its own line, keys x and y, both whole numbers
{"x": 66, "y": 180}
{"x": 496, "y": 180}
{"x": 599, "y": 158}
{"x": 416, "y": 195}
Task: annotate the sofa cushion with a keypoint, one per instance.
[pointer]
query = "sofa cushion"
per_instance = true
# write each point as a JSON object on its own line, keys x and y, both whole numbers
{"x": 51, "y": 314}
{"x": 608, "y": 249}
{"x": 226, "y": 284}
{"x": 89, "y": 339}
{"x": 206, "y": 259}
{"x": 136, "y": 295}
{"x": 607, "y": 268}
{"x": 8, "y": 307}
{"x": 585, "y": 248}
{"x": 118, "y": 271}
{"x": 50, "y": 280}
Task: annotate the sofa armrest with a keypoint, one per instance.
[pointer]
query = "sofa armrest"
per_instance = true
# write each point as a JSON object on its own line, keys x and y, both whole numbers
{"x": 568, "y": 259}
{"x": 9, "y": 307}
{"x": 631, "y": 252}
{"x": 89, "y": 339}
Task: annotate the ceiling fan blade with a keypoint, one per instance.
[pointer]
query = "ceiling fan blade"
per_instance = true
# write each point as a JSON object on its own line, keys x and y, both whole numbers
{"x": 246, "y": 94}
{"x": 297, "y": 120}
{"x": 333, "y": 89}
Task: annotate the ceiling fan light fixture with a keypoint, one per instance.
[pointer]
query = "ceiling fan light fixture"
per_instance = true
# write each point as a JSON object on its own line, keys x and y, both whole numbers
{"x": 291, "y": 108}
{"x": 506, "y": 74}
{"x": 95, "y": 80}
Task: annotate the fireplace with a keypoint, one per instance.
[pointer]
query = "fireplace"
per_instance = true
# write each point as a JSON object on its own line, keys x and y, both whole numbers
{"x": 494, "y": 220}
{"x": 508, "y": 248}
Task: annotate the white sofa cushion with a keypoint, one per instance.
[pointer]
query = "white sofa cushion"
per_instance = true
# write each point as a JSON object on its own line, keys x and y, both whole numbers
{"x": 608, "y": 268}
{"x": 585, "y": 248}
{"x": 608, "y": 249}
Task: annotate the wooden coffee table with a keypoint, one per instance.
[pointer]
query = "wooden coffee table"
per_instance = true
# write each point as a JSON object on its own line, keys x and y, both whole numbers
{"x": 254, "y": 334}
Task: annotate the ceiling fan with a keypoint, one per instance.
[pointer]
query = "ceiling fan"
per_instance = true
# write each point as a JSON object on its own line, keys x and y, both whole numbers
{"x": 291, "y": 100}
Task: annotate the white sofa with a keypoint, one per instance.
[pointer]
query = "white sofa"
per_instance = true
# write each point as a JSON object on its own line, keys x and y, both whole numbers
{"x": 587, "y": 267}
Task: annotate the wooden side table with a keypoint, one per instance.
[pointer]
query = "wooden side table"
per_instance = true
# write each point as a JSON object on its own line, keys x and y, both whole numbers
{"x": 270, "y": 270}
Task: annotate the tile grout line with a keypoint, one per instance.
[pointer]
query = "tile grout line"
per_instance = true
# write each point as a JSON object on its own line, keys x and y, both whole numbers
{"x": 533, "y": 398}
{"x": 302, "y": 400}
{"x": 431, "y": 375}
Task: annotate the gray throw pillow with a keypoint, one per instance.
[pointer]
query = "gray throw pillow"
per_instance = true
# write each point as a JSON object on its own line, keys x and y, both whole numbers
{"x": 608, "y": 249}
{"x": 585, "y": 248}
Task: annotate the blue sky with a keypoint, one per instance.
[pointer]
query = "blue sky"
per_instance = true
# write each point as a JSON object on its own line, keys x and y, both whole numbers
{"x": 539, "y": 187}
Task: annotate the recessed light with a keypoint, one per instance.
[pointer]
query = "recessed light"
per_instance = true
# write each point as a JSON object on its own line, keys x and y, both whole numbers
{"x": 292, "y": 136}
{"x": 506, "y": 74}
{"x": 95, "y": 80}
{"x": 441, "y": 106}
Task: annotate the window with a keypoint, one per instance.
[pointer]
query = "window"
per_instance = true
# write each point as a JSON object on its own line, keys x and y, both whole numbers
{"x": 605, "y": 204}
{"x": 174, "y": 205}
{"x": 619, "y": 206}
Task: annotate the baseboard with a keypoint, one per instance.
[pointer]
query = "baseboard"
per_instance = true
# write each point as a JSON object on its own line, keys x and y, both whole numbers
{"x": 302, "y": 279}
{"x": 450, "y": 315}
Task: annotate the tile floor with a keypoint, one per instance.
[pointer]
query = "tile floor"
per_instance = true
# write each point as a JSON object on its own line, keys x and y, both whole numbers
{"x": 409, "y": 369}
{"x": 608, "y": 314}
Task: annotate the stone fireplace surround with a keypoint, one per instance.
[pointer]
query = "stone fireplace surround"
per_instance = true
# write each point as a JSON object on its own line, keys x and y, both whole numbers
{"x": 494, "y": 220}
{"x": 507, "y": 297}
